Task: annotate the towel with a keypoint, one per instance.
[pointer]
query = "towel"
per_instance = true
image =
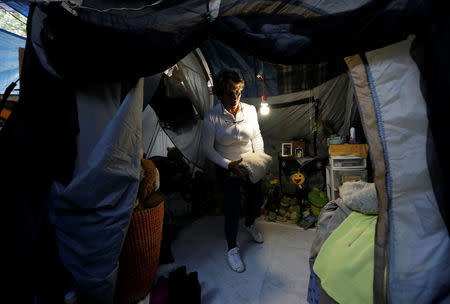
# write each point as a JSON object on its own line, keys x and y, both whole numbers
{"x": 256, "y": 165}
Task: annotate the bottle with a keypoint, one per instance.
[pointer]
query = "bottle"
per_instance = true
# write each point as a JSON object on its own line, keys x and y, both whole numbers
{"x": 352, "y": 135}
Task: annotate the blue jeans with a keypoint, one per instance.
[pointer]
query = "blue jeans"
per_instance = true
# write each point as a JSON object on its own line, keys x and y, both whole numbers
{"x": 232, "y": 195}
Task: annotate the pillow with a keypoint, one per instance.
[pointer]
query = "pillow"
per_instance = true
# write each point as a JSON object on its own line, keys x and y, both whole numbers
{"x": 256, "y": 165}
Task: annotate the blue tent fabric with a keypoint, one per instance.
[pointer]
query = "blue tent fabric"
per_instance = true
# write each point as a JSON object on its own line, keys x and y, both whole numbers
{"x": 9, "y": 54}
{"x": 20, "y": 6}
{"x": 100, "y": 198}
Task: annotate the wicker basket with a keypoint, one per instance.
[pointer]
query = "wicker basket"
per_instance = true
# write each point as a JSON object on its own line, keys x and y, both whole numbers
{"x": 139, "y": 258}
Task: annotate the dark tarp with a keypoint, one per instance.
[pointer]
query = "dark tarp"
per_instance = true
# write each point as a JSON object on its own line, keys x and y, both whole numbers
{"x": 278, "y": 79}
{"x": 37, "y": 146}
{"x": 166, "y": 34}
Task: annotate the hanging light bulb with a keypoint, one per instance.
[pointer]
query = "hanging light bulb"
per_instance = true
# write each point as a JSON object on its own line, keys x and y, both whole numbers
{"x": 264, "y": 109}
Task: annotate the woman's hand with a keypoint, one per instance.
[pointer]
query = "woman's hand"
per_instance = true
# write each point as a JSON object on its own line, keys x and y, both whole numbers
{"x": 233, "y": 166}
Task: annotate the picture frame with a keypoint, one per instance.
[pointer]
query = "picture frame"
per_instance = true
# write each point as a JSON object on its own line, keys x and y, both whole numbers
{"x": 298, "y": 152}
{"x": 286, "y": 149}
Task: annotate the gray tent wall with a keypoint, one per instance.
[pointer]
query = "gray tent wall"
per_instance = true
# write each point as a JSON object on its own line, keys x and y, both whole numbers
{"x": 285, "y": 124}
{"x": 101, "y": 194}
{"x": 297, "y": 121}
{"x": 155, "y": 141}
{"x": 193, "y": 81}
{"x": 195, "y": 85}
{"x": 411, "y": 238}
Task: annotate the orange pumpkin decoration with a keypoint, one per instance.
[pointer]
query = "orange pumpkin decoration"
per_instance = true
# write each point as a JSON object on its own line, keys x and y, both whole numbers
{"x": 298, "y": 178}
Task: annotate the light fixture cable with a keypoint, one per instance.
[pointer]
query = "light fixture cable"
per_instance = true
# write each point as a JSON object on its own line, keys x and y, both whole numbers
{"x": 264, "y": 106}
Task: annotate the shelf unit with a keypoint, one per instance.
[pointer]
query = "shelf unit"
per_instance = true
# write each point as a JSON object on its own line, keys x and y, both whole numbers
{"x": 343, "y": 169}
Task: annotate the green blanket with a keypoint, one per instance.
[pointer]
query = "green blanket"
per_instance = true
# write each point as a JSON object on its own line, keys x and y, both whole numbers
{"x": 345, "y": 261}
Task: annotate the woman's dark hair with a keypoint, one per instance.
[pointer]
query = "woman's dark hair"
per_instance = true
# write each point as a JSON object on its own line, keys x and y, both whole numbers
{"x": 224, "y": 78}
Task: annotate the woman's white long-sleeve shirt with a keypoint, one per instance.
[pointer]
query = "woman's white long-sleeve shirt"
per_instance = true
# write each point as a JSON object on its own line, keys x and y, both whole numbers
{"x": 226, "y": 138}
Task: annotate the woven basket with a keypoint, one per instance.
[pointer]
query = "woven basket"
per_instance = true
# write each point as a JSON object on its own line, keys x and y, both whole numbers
{"x": 139, "y": 258}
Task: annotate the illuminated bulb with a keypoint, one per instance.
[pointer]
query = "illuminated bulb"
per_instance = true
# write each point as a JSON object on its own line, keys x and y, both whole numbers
{"x": 264, "y": 110}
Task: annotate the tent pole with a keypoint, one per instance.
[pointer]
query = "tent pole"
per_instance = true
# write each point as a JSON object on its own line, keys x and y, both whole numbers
{"x": 316, "y": 118}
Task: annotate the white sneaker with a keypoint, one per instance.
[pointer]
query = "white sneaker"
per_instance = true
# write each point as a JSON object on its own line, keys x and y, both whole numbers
{"x": 234, "y": 260}
{"x": 256, "y": 235}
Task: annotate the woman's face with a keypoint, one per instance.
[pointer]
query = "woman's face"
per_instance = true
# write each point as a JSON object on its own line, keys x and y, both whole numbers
{"x": 232, "y": 95}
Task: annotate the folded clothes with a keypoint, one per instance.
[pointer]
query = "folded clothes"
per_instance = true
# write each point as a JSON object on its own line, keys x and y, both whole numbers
{"x": 256, "y": 165}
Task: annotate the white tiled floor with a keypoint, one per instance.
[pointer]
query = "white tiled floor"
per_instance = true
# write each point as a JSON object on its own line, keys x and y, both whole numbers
{"x": 277, "y": 271}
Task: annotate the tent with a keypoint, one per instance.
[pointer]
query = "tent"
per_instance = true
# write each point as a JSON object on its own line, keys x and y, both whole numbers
{"x": 70, "y": 149}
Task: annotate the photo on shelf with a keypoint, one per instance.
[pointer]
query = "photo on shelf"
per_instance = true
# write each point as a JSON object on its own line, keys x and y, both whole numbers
{"x": 298, "y": 152}
{"x": 286, "y": 149}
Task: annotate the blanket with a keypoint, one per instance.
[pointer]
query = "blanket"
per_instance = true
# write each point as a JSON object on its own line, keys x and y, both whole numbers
{"x": 346, "y": 260}
{"x": 256, "y": 165}
{"x": 330, "y": 217}
{"x": 360, "y": 196}
{"x": 355, "y": 196}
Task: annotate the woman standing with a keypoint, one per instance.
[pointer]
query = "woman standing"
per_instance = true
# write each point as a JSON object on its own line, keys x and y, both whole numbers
{"x": 231, "y": 130}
